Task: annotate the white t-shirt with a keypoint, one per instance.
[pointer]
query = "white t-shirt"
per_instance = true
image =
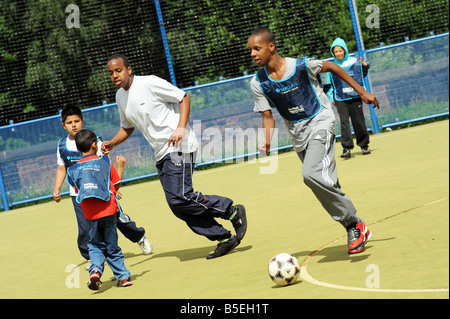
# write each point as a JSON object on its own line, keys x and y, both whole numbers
{"x": 151, "y": 105}
{"x": 301, "y": 131}
{"x": 72, "y": 146}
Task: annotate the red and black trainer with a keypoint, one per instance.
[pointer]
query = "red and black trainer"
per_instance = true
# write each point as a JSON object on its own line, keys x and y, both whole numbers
{"x": 124, "y": 283}
{"x": 358, "y": 235}
{"x": 94, "y": 281}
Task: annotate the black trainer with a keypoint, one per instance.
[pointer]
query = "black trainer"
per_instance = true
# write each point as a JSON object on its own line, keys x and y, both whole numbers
{"x": 224, "y": 247}
{"x": 346, "y": 153}
{"x": 365, "y": 150}
{"x": 239, "y": 220}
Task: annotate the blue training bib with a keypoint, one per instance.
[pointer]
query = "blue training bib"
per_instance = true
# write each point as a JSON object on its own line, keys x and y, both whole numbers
{"x": 91, "y": 178}
{"x": 341, "y": 90}
{"x": 295, "y": 98}
{"x": 69, "y": 157}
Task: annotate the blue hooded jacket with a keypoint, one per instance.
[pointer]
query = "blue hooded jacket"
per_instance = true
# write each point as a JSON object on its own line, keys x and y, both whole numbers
{"x": 341, "y": 43}
{"x": 345, "y": 61}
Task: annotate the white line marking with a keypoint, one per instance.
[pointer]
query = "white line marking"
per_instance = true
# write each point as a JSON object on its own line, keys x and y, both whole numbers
{"x": 306, "y": 276}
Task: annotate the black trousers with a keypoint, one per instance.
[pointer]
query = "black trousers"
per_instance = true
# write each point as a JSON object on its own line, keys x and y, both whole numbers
{"x": 199, "y": 211}
{"x": 352, "y": 109}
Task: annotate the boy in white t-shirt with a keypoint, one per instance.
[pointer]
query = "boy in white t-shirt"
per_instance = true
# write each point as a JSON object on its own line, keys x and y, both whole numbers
{"x": 160, "y": 111}
{"x": 67, "y": 155}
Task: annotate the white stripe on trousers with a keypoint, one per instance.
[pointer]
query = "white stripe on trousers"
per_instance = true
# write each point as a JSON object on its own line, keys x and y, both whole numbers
{"x": 326, "y": 160}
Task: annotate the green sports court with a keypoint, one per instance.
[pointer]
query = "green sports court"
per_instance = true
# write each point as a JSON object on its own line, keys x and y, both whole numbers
{"x": 401, "y": 190}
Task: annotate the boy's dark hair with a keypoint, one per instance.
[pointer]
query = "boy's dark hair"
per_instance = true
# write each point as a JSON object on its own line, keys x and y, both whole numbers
{"x": 84, "y": 139}
{"x": 120, "y": 56}
{"x": 70, "y": 110}
{"x": 265, "y": 33}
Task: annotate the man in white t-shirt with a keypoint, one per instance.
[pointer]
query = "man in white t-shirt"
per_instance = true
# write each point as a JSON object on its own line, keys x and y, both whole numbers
{"x": 293, "y": 88}
{"x": 160, "y": 111}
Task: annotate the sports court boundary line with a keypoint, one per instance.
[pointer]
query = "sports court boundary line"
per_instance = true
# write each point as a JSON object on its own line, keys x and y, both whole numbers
{"x": 306, "y": 276}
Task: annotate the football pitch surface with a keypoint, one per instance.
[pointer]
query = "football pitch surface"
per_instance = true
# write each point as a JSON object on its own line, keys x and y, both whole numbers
{"x": 401, "y": 190}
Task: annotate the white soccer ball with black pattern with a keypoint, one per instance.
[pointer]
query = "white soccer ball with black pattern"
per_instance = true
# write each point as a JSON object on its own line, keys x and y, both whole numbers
{"x": 284, "y": 269}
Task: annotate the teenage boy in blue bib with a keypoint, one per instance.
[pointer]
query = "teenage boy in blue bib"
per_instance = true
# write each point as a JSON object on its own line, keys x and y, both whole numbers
{"x": 293, "y": 88}
{"x": 347, "y": 100}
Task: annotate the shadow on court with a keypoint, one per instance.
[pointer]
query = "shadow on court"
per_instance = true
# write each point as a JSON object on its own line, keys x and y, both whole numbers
{"x": 112, "y": 282}
{"x": 186, "y": 254}
{"x": 182, "y": 255}
{"x": 339, "y": 253}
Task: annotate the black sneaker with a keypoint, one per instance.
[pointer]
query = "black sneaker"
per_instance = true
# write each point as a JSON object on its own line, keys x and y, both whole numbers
{"x": 365, "y": 150}
{"x": 346, "y": 153}
{"x": 239, "y": 220}
{"x": 224, "y": 247}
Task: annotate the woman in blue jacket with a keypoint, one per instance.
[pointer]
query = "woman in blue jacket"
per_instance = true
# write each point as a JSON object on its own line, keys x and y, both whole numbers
{"x": 347, "y": 101}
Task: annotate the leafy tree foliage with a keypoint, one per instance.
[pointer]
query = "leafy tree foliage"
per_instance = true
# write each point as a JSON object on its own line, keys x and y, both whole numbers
{"x": 44, "y": 65}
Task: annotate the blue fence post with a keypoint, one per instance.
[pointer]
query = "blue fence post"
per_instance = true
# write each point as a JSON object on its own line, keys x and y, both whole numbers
{"x": 3, "y": 190}
{"x": 361, "y": 52}
{"x": 165, "y": 42}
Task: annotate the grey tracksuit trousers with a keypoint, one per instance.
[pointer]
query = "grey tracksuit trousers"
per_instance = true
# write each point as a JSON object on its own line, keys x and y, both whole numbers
{"x": 320, "y": 175}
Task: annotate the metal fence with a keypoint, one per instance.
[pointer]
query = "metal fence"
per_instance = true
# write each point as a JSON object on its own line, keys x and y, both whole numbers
{"x": 410, "y": 79}
{"x": 191, "y": 46}
{"x": 54, "y": 52}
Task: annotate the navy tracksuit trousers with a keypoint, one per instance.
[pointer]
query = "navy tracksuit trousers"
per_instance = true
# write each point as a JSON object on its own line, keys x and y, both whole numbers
{"x": 197, "y": 210}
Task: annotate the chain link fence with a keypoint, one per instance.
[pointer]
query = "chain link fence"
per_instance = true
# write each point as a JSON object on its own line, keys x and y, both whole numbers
{"x": 54, "y": 54}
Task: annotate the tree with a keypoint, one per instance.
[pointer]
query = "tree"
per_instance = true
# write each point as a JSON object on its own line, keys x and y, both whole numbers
{"x": 49, "y": 65}
{"x": 45, "y": 65}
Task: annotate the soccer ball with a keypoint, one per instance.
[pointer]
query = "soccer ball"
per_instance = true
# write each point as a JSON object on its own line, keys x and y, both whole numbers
{"x": 284, "y": 269}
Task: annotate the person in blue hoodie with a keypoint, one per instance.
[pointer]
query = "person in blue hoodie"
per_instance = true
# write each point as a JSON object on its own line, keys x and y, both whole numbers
{"x": 347, "y": 101}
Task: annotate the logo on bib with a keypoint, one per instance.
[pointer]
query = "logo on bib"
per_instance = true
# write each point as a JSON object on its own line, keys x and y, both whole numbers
{"x": 287, "y": 89}
{"x": 296, "y": 109}
{"x": 348, "y": 90}
{"x": 90, "y": 186}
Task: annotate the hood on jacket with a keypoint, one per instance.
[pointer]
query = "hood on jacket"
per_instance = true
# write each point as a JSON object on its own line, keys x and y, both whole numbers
{"x": 339, "y": 42}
